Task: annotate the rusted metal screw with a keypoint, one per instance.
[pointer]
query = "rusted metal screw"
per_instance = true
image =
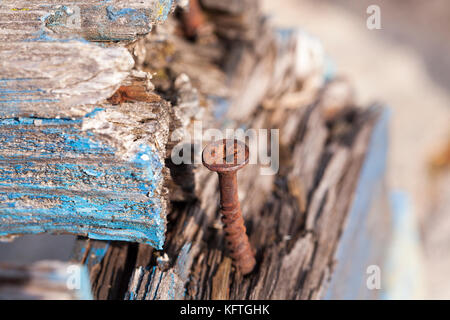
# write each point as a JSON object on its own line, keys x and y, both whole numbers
{"x": 226, "y": 157}
{"x": 192, "y": 19}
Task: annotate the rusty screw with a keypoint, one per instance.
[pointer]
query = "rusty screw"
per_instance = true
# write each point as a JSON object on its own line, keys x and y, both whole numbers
{"x": 226, "y": 157}
{"x": 192, "y": 19}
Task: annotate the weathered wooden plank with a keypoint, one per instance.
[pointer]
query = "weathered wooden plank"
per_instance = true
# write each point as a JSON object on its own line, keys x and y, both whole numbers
{"x": 58, "y": 79}
{"x": 45, "y": 280}
{"x": 114, "y": 20}
{"x": 100, "y": 176}
{"x": 161, "y": 282}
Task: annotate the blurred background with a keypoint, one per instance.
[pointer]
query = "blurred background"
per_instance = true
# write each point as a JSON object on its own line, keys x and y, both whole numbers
{"x": 406, "y": 65}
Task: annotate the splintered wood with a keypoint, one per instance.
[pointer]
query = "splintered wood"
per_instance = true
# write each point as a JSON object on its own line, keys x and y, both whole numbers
{"x": 82, "y": 133}
{"x": 91, "y": 20}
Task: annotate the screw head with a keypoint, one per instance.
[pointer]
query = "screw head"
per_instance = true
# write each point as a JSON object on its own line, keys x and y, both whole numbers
{"x": 226, "y": 155}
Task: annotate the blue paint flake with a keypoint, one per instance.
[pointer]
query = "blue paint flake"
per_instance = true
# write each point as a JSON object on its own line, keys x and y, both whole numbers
{"x": 134, "y": 16}
{"x": 165, "y": 7}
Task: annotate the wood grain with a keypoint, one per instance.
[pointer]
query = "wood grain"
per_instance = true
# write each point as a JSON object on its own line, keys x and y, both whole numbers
{"x": 36, "y": 20}
{"x": 100, "y": 176}
{"x": 58, "y": 79}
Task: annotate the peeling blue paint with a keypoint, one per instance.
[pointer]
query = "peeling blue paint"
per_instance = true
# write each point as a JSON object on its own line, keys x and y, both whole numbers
{"x": 93, "y": 112}
{"x": 96, "y": 254}
{"x": 11, "y": 96}
{"x": 165, "y": 7}
{"x": 42, "y": 34}
{"x": 14, "y": 92}
{"x": 104, "y": 20}
{"x": 56, "y": 178}
{"x": 137, "y": 17}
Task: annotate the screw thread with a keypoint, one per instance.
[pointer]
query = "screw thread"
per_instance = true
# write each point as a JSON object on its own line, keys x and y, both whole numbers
{"x": 235, "y": 232}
